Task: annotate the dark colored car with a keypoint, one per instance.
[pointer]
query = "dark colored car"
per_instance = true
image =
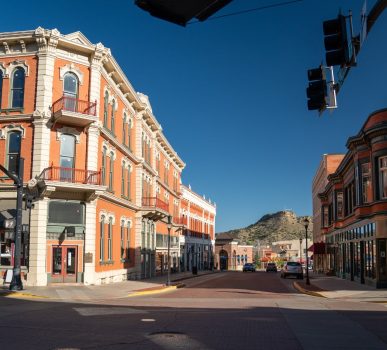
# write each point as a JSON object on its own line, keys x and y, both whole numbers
{"x": 248, "y": 267}
{"x": 271, "y": 267}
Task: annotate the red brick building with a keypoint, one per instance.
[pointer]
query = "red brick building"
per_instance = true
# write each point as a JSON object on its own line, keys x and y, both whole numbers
{"x": 354, "y": 206}
{"x": 103, "y": 175}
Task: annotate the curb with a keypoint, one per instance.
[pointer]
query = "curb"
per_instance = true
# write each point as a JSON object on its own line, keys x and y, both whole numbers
{"x": 162, "y": 289}
{"x": 308, "y": 292}
{"x": 11, "y": 294}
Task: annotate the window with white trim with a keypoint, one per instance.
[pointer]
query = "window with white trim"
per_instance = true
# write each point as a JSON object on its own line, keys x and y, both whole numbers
{"x": 17, "y": 88}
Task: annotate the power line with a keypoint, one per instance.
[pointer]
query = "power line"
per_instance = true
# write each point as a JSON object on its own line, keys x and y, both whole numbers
{"x": 280, "y": 4}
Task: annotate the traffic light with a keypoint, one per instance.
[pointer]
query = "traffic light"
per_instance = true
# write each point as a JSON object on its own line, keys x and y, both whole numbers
{"x": 336, "y": 42}
{"x": 317, "y": 89}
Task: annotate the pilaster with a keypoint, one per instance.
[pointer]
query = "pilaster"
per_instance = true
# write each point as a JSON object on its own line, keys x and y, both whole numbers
{"x": 37, "y": 275}
{"x": 90, "y": 239}
{"x": 92, "y": 147}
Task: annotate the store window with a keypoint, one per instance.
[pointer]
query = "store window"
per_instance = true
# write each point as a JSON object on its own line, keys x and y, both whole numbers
{"x": 64, "y": 212}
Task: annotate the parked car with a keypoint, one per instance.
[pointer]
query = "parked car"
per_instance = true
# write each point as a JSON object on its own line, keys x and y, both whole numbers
{"x": 248, "y": 267}
{"x": 292, "y": 268}
{"x": 271, "y": 267}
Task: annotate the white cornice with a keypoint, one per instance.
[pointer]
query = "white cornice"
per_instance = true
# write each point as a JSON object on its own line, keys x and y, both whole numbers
{"x": 193, "y": 197}
{"x": 123, "y": 202}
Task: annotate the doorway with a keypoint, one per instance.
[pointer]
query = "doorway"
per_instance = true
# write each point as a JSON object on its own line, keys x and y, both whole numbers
{"x": 64, "y": 264}
{"x": 223, "y": 260}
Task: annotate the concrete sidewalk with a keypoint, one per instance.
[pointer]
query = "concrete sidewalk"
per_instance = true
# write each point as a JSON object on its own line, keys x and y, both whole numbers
{"x": 333, "y": 287}
{"x": 92, "y": 293}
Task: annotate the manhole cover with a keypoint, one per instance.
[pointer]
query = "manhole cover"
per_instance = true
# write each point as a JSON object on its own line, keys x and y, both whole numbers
{"x": 175, "y": 340}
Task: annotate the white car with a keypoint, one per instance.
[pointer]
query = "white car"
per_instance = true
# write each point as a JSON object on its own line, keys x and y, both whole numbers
{"x": 292, "y": 268}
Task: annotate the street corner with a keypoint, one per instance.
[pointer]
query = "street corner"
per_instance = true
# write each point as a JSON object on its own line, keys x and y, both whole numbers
{"x": 311, "y": 289}
{"x": 156, "y": 290}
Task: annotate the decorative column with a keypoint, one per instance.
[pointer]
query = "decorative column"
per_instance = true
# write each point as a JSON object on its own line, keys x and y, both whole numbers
{"x": 37, "y": 274}
{"x": 90, "y": 239}
{"x": 47, "y": 42}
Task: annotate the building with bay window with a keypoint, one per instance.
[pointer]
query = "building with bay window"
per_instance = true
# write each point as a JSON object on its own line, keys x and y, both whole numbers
{"x": 103, "y": 176}
{"x": 354, "y": 206}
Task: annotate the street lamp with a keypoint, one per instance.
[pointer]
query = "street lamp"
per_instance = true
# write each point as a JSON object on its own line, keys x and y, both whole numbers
{"x": 306, "y": 224}
{"x": 300, "y": 248}
{"x": 169, "y": 226}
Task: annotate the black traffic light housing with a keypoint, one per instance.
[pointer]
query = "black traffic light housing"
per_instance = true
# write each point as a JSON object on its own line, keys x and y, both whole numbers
{"x": 317, "y": 90}
{"x": 336, "y": 42}
{"x": 181, "y": 11}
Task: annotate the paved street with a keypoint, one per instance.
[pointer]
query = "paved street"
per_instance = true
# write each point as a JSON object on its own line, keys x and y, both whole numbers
{"x": 228, "y": 310}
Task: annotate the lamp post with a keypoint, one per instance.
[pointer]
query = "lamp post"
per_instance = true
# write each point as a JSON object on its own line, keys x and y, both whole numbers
{"x": 169, "y": 226}
{"x": 300, "y": 248}
{"x": 306, "y": 224}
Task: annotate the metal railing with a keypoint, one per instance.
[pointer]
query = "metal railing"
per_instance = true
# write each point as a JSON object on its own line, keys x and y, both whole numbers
{"x": 55, "y": 173}
{"x": 71, "y": 104}
{"x": 154, "y": 202}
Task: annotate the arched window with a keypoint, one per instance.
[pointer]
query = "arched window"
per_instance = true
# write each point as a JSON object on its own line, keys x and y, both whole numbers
{"x": 103, "y": 166}
{"x": 1, "y": 86}
{"x": 128, "y": 226}
{"x": 128, "y": 194}
{"x": 111, "y": 171}
{"x": 112, "y": 120}
{"x": 67, "y": 157}
{"x": 70, "y": 92}
{"x": 122, "y": 239}
{"x": 13, "y": 151}
{"x": 110, "y": 238}
{"x": 123, "y": 172}
{"x": 17, "y": 88}
{"x": 124, "y": 128}
{"x": 105, "y": 109}
{"x": 102, "y": 239}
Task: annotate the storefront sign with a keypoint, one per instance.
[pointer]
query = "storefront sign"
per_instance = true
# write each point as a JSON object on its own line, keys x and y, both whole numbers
{"x": 88, "y": 257}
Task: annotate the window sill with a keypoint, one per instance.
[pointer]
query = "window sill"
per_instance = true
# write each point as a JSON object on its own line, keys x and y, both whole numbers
{"x": 10, "y": 110}
{"x": 107, "y": 262}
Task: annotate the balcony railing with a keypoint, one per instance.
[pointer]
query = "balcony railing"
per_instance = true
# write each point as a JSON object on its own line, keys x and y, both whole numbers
{"x": 154, "y": 202}
{"x": 71, "y": 104}
{"x": 196, "y": 234}
{"x": 180, "y": 220}
{"x": 55, "y": 173}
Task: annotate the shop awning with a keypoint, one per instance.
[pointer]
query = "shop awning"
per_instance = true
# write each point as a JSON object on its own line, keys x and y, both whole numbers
{"x": 317, "y": 248}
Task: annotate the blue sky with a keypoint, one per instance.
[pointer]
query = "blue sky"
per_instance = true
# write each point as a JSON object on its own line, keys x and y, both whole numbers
{"x": 230, "y": 93}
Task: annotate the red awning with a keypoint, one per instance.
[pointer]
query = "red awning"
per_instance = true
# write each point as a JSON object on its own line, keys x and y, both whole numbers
{"x": 317, "y": 248}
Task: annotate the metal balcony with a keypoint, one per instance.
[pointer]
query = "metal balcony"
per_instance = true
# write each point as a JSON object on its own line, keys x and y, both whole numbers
{"x": 70, "y": 110}
{"x": 154, "y": 208}
{"x": 79, "y": 176}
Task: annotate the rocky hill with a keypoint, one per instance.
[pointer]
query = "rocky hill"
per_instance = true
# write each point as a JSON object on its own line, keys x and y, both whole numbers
{"x": 283, "y": 225}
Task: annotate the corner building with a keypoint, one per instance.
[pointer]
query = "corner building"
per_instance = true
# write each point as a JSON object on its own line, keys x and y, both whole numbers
{"x": 354, "y": 207}
{"x": 103, "y": 176}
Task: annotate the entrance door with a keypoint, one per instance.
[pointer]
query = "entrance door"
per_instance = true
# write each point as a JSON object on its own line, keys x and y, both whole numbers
{"x": 223, "y": 260}
{"x": 64, "y": 264}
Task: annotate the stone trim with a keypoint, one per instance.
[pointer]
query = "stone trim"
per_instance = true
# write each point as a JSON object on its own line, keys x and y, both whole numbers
{"x": 71, "y": 68}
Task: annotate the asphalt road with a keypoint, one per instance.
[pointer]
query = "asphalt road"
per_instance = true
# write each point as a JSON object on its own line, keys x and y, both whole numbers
{"x": 230, "y": 310}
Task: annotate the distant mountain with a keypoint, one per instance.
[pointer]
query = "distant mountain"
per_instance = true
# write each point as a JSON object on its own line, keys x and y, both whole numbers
{"x": 280, "y": 226}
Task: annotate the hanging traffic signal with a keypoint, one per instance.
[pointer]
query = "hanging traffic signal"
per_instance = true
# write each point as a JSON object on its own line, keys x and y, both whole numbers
{"x": 336, "y": 42}
{"x": 317, "y": 89}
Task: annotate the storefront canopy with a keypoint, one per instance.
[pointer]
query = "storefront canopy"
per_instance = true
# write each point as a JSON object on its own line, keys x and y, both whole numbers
{"x": 317, "y": 248}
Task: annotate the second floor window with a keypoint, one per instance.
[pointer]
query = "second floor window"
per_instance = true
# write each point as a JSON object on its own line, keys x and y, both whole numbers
{"x": 113, "y": 121}
{"x": 67, "y": 156}
{"x": 103, "y": 166}
{"x": 339, "y": 205}
{"x": 366, "y": 182}
{"x": 383, "y": 177}
{"x": 17, "y": 88}
{"x": 105, "y": 109}
{"x": 13, "y": 154}
{"x": 111, "y": 171}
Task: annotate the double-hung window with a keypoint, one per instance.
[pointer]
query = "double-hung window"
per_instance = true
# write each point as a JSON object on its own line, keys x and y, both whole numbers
{"x": 383, "y": 177}
{"x": 366, "y": 182}
{"x": 17, "y": 88}
{"x": 70, "y": 92}
{"x": 1, "y": 86}
{"x": 13, "y": 151}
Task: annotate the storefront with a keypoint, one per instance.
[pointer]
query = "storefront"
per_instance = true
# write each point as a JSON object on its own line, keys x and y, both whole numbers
{"x": 65, "y": 241}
